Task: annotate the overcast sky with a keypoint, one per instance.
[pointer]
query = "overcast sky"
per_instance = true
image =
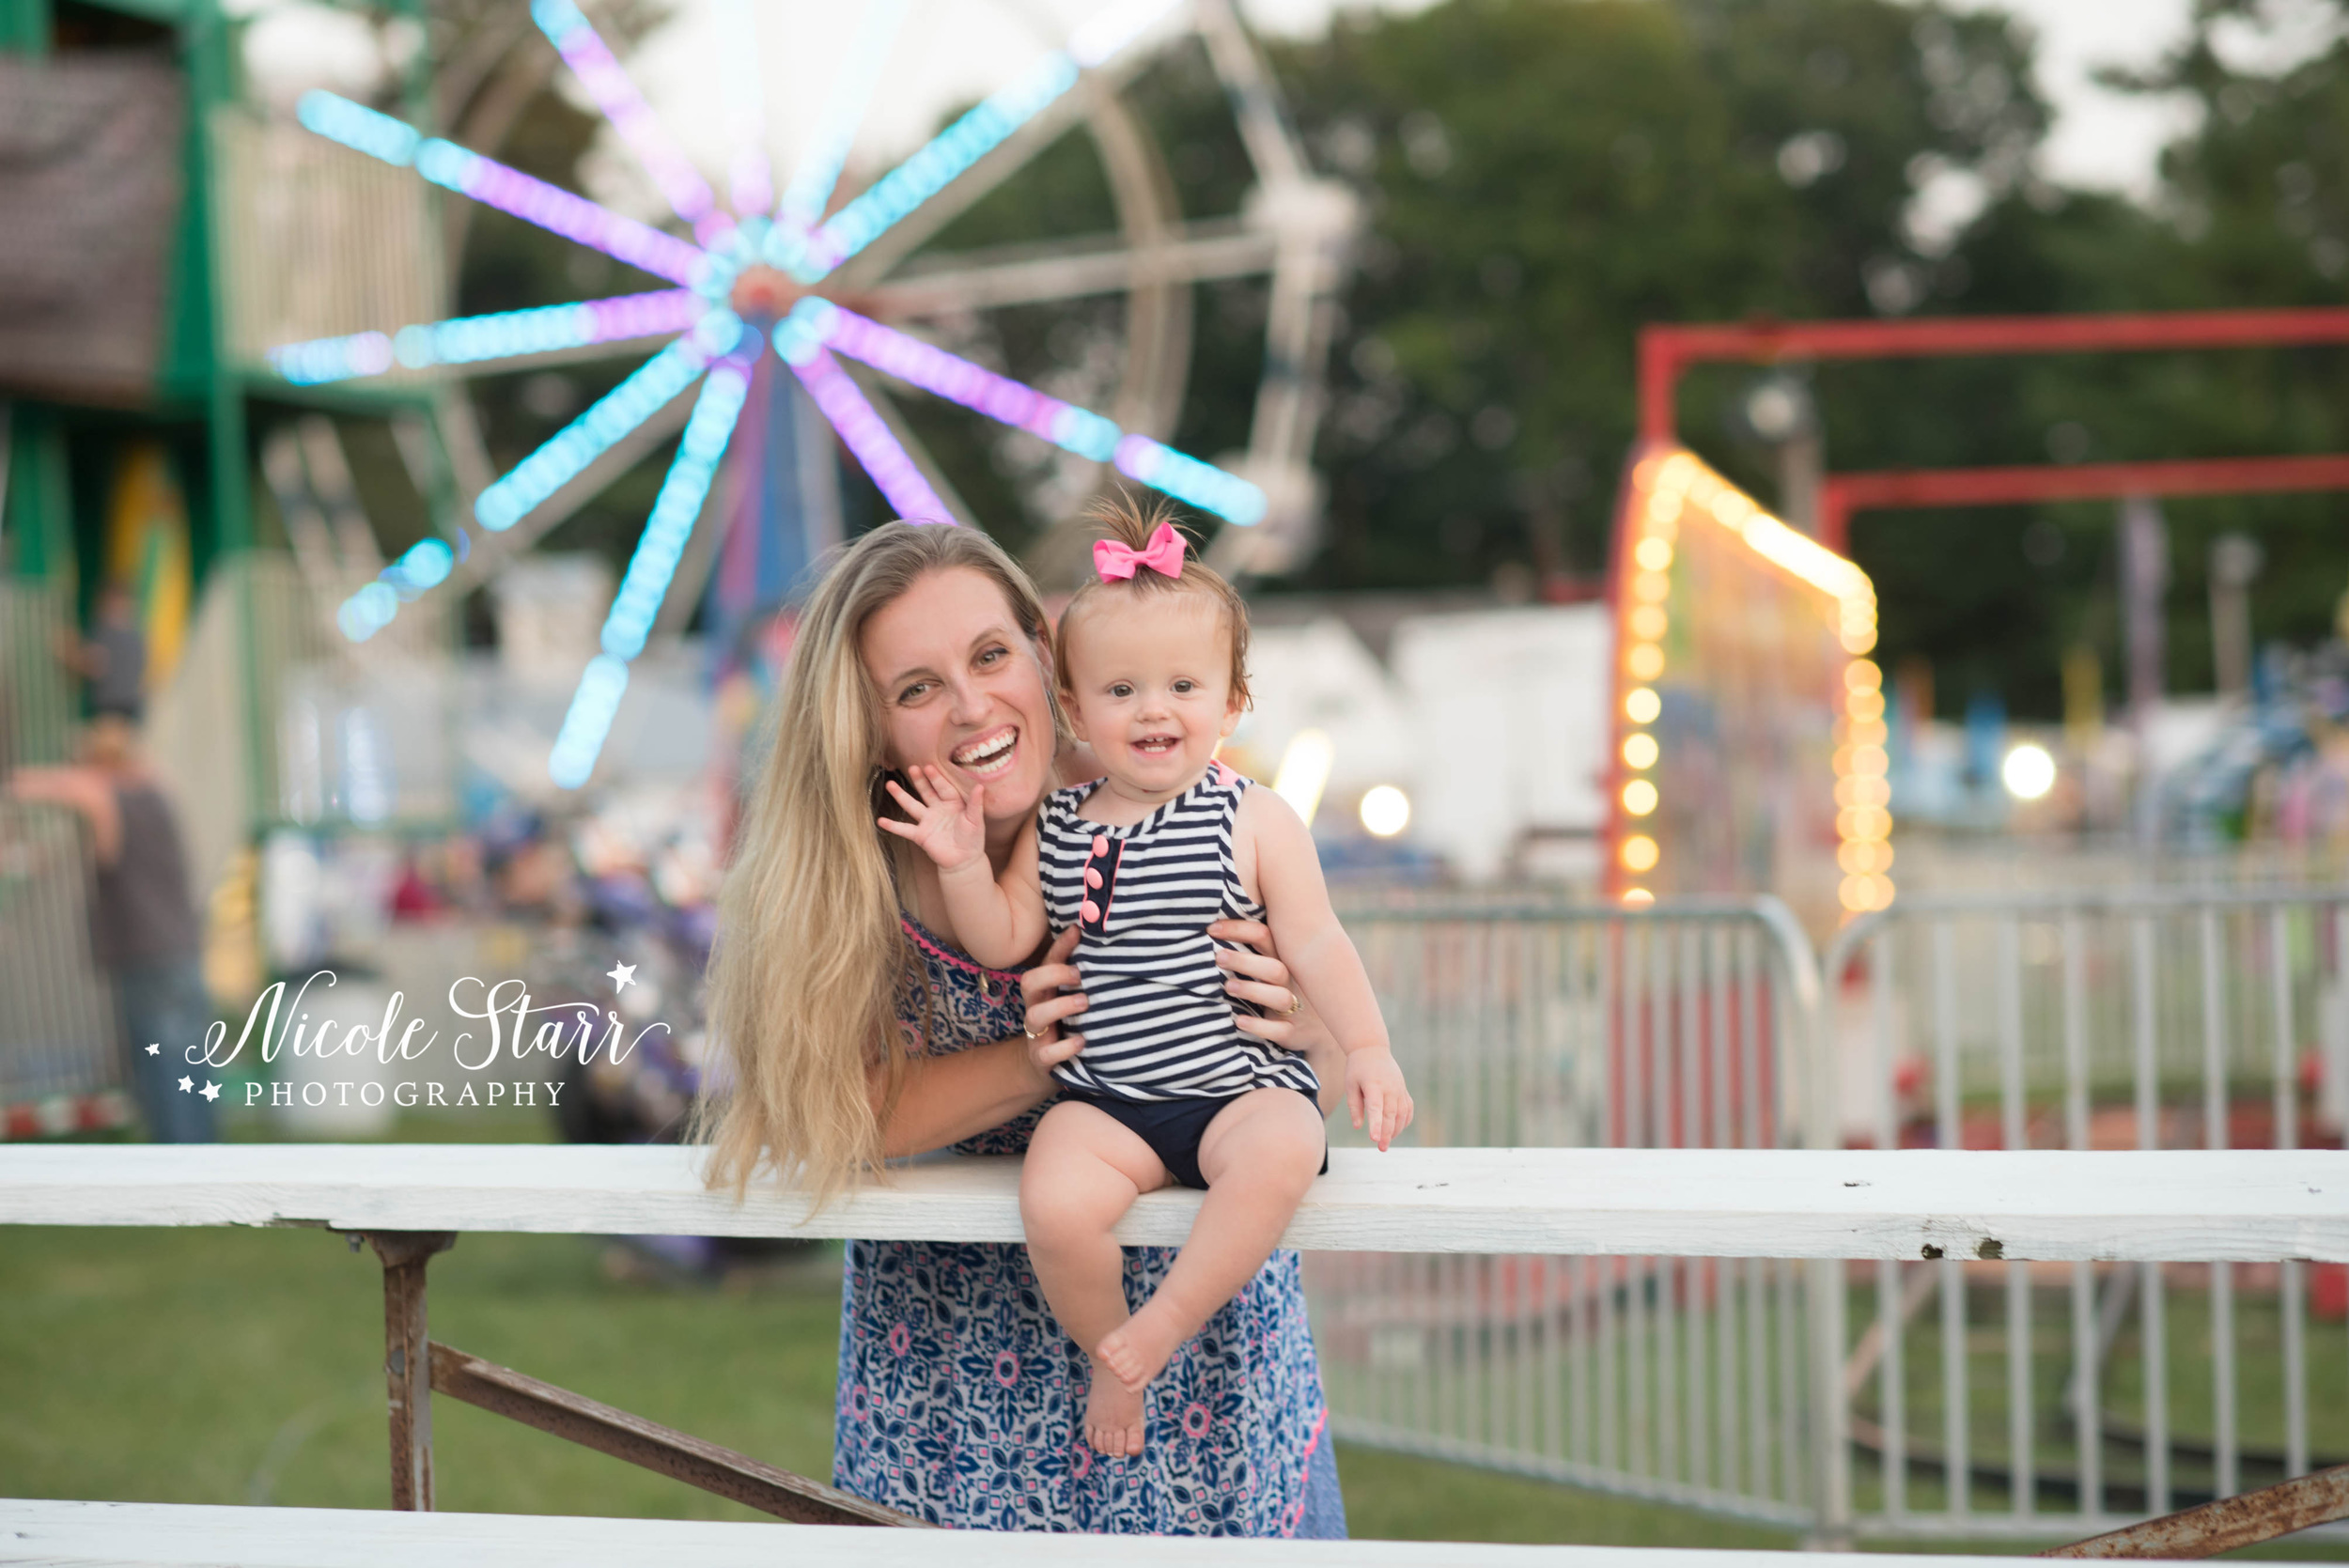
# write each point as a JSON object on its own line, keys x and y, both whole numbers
{"x": 953, "y": 50}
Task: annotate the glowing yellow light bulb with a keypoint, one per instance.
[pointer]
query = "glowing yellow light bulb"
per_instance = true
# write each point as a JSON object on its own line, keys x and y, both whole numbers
{"x": 1640, "y": 751}
{"x": 1642, "y": 704}
{"x": 1639, "y": 853}
{"x": 1639, "y": 798}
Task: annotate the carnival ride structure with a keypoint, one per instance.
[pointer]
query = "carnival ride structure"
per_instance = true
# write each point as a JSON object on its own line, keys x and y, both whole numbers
{"x": 1678, "y": 723}
{"x": 815, "y": 284}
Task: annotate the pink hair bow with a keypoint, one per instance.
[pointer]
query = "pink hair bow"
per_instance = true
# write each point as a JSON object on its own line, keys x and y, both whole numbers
{"x": 1163, "y": 554}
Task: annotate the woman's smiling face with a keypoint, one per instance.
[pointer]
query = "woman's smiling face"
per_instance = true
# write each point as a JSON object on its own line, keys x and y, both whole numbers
{"x": 962, "y": 689}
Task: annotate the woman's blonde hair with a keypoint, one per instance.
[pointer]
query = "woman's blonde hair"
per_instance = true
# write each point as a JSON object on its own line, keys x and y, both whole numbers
{"x": 809, "y": 954}
{"x": 1120, "y": 518}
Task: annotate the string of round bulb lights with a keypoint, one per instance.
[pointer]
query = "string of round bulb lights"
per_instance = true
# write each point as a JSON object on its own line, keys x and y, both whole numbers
{"x": 1678, "y": 487}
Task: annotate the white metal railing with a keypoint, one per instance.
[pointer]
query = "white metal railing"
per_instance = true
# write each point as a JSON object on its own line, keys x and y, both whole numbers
{"x": 57, "y": 1044}
{"x": 2020, "y": 1401}
{"x": 1685, "y": 1379}
{"x": 1775, "y": 1390}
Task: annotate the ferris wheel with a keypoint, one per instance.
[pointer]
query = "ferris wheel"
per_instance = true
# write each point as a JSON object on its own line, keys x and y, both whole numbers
{"x": 837, "y": 292}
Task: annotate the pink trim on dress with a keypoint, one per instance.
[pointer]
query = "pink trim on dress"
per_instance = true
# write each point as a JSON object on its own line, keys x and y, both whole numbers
{"x": 905, "y": 924}
{"x": 1296, "y": 1515}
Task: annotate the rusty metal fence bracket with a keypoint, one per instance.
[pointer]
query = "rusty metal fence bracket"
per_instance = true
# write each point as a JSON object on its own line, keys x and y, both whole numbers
{"x": 407, "y": 1369}
{"x": 414, "y": 1368}
{"x": 679, "y": 1455}
{"x": 2231, "y": 1522}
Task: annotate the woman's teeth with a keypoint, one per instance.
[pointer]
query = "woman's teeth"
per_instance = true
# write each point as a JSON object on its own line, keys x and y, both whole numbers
{"x": 989, "y": 756}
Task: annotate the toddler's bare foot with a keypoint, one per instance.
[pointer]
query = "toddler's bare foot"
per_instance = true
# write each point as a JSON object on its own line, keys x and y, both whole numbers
{"x": 1112, "y": 1415}
{"x": 1139, "y": 1348}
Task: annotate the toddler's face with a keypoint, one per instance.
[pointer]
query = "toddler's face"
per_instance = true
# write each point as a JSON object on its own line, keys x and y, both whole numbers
{"x": 1150, "y": 687}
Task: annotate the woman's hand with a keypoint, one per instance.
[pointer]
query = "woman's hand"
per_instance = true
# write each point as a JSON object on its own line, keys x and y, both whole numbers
{"x": 1049, "y": 991}
{"x": 1257, "y": 975}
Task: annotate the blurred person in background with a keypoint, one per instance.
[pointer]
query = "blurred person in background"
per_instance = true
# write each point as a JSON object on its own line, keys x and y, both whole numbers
{"x": 143, "y": 929}
{"x": 112, "y": 660}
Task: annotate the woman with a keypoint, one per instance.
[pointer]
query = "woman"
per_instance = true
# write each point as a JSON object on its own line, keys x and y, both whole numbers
{"x": 856, "y": 1030}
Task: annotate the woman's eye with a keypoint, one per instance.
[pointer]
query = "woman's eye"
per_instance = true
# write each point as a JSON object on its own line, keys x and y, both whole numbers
{"x": 915, "y": 693}
{"x": 992, "y": 656}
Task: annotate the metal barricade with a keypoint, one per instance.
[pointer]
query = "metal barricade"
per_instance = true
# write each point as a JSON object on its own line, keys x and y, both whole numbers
{"x": 60, "y": 1065}
{"x": 1988, "y": 1399}
{"x": 1685, "y": 1380}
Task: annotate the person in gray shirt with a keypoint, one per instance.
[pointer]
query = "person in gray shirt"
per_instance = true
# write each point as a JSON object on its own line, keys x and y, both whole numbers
{"x": 112, "y": 660}
{"x": 142, "y": 927}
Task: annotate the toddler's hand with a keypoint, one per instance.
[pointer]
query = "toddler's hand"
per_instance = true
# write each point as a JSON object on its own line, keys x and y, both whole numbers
{"x": 948, "y": 826}
{"x": 1376, "y": 1093}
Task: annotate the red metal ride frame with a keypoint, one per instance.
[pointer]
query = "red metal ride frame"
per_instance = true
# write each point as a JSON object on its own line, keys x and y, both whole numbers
{"x": 1667, "y": 351}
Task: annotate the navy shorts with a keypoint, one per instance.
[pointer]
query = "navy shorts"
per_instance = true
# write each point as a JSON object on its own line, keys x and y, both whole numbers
{"x": 1173, "y": 1127}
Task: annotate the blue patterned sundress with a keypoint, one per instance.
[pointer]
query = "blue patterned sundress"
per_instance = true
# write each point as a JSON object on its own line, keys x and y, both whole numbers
{"x": 959, "y": 1395}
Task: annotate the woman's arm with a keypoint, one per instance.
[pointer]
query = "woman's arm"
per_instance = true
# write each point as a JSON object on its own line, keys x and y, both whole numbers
{"x": 945, "y": 1099}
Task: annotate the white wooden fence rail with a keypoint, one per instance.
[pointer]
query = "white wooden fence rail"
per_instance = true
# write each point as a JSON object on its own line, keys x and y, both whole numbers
{"x": 2247, "y": 1205}
{"x": 189, "y": 1536}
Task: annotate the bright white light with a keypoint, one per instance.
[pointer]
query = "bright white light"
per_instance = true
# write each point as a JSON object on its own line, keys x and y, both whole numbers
{"x": 1305, "y": 771}
{"x": 2030, "y": 773}
{"x": 1386, "y": 811}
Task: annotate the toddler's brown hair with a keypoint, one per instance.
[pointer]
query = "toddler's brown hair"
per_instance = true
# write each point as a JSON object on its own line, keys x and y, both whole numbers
{"x": 1123, "y": 520}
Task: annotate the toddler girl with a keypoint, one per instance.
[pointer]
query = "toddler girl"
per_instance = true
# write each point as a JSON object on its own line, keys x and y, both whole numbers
{"x": 1151, "y": 662}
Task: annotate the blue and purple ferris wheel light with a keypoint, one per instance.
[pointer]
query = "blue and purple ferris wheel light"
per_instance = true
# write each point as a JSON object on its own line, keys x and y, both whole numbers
{"x": 709, "y": 342}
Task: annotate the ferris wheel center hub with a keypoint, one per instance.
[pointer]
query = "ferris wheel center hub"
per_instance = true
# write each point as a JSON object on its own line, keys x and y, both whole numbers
{"x": 766, "y": 294}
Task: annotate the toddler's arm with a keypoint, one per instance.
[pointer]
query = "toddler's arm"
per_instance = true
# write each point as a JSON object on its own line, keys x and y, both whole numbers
{"x": 1321, "y": 959}
{"x": 998, "y": 919}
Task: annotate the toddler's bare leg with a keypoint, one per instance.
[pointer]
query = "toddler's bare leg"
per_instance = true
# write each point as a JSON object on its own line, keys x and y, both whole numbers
{"x": 1084, "y": 1169}
{"x": 1259, "y": 1156}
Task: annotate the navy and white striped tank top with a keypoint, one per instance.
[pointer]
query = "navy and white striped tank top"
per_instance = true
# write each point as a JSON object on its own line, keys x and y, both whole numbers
{"x": 1158, "y": 1024}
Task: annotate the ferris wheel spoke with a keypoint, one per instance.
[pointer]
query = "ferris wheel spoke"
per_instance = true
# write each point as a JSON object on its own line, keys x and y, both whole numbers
{"x": 487, "y": 340}
{"x": 493, "y": 184}
{"x": 606, "y": 421}
{"x": 750, "y": 178}
{"x": 491, "y": 552}
{"x": 588, "y": 721}
{"x": 607, "y": 83}
{"x": 982, "y": 280}
{"x": 815, "y": 325}
{"x": 810, "y": 191}
{"x": 867, "y": 436}
{"x": 875, "y": 387}
{"x": 945, "y": 157}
